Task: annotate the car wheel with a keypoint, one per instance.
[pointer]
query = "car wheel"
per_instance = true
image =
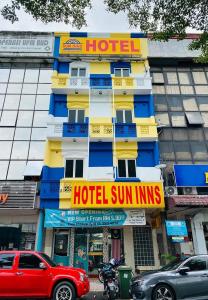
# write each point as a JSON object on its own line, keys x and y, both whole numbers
{"x": 163, "y": 292}
{"x": 64, "y": 291}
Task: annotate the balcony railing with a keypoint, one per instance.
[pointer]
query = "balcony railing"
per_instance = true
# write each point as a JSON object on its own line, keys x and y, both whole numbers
{"x": 63, "y": 84}
{"x": 75, "y": 130}
{"x": 147, "y": 132}
{"x": 101, "y": 130}
{"x": 125, "y": 130}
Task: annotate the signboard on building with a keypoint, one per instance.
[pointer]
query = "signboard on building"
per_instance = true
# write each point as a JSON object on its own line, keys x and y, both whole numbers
{"x": 191, "y": 175}
{"x": 176, "y": 228}
{"x": 100, "y": 46}
{"x": 93, "y": 218}
{"x": 116, "y": 194}
{"x": 26, "y": 43}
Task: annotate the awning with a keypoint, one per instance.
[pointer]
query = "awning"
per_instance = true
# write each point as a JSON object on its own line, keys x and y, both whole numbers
{"x": 193, "y": 201}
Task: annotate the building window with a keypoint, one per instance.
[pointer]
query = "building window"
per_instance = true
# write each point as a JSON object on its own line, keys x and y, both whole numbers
{"x": 78, "y": 72}
{"x": 124, "y": 116}
{"x": 143, "y": 246}
{"x": 74, "y": 168}
{"x": 194, "y": 118}
{"x": 127, "y": 168}
{"x": 122, "y": 72}
{"x": 76, "y": 115}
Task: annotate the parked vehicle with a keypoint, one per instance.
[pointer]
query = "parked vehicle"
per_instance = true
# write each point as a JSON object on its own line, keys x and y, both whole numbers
{"x": 183, "y": 278}
{"x": 113, "y": 262}
{"x": 110, "y": 281}
{"x": 30, "y": 274}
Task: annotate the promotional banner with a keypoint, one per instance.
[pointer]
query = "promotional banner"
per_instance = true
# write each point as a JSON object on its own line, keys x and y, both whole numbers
{"x": 176, "y": 228}
{"x": 93, "y": 218}
{"x": 106, "y": 46}
{"x": 116, "y": 194}
{"x": 191, "y": 175}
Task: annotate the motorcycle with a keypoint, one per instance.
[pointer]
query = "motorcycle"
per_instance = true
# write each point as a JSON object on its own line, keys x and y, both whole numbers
{"x": 113, "y": 262}
{"x": 110, "y": 280}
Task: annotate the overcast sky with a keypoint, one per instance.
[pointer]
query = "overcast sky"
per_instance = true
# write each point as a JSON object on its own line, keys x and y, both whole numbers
{"x": 98, "y": 20}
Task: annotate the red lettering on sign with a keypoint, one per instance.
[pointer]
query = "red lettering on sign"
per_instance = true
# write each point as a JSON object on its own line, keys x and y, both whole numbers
{"x": 128, "y": 195}
{"x": 105, "y": 200}
{"x": 143, "y": 196}
{"x": 113, "y": 45}
{"x": 150, "y": 195}
{"x": 103, "y": 45}
{"x": 90, "y": 45}
{"x": 98, "y": 194}
{"x": 133, "y": 49}
{"x": 114, "y": 195}
{"x": 158, "y": 196}
{"x": 77, "y": 195}
{"x": 121, "y": 195}
{"x": 124, "y": 46}
{"x": 91, "y": 188}
{"x": 84, "y": 194}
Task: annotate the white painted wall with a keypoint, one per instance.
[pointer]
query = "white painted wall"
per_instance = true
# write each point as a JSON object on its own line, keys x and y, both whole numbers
{"x": 100, "y": 106}
{"x": 148, "y": 173}
{"x": 100, "y": 173}
{"x": 198, "y": 232}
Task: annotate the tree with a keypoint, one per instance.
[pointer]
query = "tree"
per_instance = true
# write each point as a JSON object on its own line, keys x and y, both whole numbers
{"x": 163, "y": 18}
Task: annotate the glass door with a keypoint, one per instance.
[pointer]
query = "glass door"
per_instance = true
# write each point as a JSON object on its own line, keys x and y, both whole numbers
{"x": 61, "y": 248}
{"x": 81, "y": 249}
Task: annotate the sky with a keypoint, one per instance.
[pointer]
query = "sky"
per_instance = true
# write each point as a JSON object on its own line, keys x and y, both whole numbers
{"x": 98, "y": 20}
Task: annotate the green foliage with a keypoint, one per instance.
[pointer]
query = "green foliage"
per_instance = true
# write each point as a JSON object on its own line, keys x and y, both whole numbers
{"x": 163, "y": 18}
{"x": 168, "y": 257}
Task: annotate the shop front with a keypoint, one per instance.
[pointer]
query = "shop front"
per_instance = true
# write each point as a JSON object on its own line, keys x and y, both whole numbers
{"x": 85, "y": 236}
{"x": 18, "y": 215}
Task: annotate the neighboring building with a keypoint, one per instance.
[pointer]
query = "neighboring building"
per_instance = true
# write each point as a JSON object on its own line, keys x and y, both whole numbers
{"x": 102, "y": 154}
{"x": 25, "y": 76}
{"x": 180, "y": 88}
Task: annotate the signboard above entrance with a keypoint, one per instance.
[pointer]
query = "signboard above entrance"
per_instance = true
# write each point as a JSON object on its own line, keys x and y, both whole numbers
{"x": 100, "y": 46}
{"x": 116, "y": 195}
{"x": 93, "y": 218}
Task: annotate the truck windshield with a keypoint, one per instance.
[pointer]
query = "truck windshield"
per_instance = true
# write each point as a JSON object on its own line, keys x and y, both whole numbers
{"x": 48, "y": 259}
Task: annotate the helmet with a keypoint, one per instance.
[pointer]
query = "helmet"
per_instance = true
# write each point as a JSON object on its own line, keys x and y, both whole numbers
{"x": 113, "y": 261}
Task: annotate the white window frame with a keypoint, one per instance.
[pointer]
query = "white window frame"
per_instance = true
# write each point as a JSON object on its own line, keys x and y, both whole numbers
{"x": 74, "y": 167}
{"x": 126, "y": 167}
{"x": 122, "y": 72}
{"x": 124, "y": 117}
{"x": 78, "y": 72}
{"x": 76, "y": 113}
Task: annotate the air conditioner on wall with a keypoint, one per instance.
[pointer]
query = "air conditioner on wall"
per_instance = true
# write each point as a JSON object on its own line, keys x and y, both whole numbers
{"x": 189, "y": 190}
{"x": 171, "y": 190}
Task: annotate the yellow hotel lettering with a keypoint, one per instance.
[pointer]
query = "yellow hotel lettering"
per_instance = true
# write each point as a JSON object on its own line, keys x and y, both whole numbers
{"x": 100, "y": 46}
{"x": 117, "y": 195}
{"x": 206, "y": 177}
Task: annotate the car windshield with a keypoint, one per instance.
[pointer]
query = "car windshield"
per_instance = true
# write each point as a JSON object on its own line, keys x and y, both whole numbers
{"x": 173, "y": 265}
{"x": 48, "y": 259}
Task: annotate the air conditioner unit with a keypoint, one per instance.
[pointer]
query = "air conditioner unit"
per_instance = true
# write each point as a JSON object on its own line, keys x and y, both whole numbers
{"x": 171, "y": 190}
{"x": 189, "y": 190}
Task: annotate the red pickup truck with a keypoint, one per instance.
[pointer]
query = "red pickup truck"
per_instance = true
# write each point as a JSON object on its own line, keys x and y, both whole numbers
{"x": 30, "y": 274}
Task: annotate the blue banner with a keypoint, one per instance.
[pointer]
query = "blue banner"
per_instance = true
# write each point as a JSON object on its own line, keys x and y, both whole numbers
{"x": 191, "y": 175}
{"x": 176, "y": 228}
{"x": 93, "y": 218}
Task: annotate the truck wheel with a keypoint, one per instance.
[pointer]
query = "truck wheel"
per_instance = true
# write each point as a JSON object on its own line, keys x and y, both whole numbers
{"x": 64, "y": 291}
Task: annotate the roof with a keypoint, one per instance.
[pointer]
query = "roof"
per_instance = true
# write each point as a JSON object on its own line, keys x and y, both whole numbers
{"x": 189, "y": 200}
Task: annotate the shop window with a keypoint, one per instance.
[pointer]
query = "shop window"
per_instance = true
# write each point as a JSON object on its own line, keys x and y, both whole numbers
{"x": 29, "y": 261}
{"x": 194, "y": 118}
{"x": 122, "y": 72}
{"x": 6, "y": 261}
{"x": 124, "y": 116}
{"x": 78, "y": 72}
{"x": 76, "y": 115}
{"x": 74, "y": 168}
{"x": 127, "y": 168}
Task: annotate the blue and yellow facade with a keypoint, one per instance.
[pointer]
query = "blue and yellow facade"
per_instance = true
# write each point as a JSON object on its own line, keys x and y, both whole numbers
{"x": 105, "y": 78}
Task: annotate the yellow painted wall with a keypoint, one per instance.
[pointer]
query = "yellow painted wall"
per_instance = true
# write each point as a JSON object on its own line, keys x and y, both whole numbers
{"x": 100, "y": 68}
{"x": 78, "y": 102}
{"x": 124, "y": 102}
{"x": 53, "y": 154}
{"x": 124, "y": 150}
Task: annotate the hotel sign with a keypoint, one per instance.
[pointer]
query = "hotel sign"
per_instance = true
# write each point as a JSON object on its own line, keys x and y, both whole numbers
{"x": 100, "y": 46}
{"x": 116, "y": 195}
